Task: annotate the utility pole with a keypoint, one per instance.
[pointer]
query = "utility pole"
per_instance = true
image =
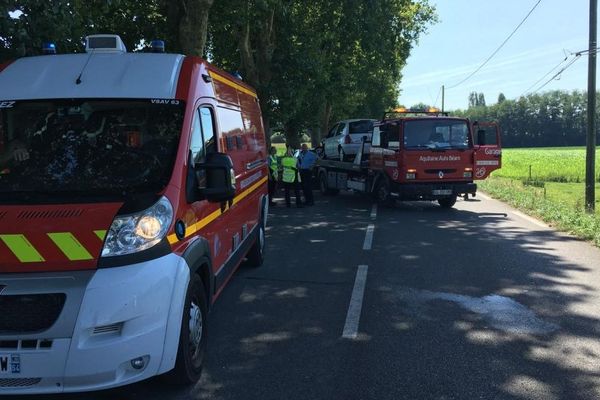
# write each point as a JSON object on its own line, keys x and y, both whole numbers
{"x": 590, "y": 173}
{"x": 443, "y": 93}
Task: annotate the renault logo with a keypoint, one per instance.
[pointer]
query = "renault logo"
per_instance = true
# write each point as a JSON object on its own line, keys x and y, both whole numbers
{"x": 441, "y": 174}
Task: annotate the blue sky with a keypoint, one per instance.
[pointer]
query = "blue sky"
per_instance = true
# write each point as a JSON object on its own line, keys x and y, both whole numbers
{"x": 470, "y": 30}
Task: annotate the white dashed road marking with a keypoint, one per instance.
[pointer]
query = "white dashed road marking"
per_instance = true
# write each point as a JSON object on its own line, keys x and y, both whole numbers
{"x": 369, "y": 237}
{"x": 355, "y": 307}
{"x": 374, "y": 211}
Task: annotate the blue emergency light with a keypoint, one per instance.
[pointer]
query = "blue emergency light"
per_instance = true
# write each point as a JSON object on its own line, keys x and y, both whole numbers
{"x": 48, "y": 48}
{"x": 157, "y": 46}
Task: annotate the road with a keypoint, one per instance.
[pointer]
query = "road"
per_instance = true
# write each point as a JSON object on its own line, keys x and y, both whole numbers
{"x": 410, "y": 302}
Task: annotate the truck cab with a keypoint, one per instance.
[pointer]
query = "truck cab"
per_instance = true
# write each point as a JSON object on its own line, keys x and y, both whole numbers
{"x": 418, "y": 156}
{"x": 132, "y": 185}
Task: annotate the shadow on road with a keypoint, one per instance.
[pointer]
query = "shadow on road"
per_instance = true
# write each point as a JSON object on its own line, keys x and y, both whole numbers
{"x": 275, "y": 333}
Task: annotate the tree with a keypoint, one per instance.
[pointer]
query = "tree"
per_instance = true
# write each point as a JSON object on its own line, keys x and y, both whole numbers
{"x": 501, "y": 98}
{"x": 314, "y": 62}
{"x": 187, "y": 23}
{"x": 183, "y": 24}
{"x": 480, "y": 100}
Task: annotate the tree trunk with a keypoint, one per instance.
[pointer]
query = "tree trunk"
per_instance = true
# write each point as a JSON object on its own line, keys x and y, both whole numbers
{"x": 326, "y": 111}
{"x": 292, "y": 138}
{"x": 191, "y": 19}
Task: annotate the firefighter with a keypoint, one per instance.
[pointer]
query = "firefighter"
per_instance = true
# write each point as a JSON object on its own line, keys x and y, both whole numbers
{"x": 273, "y": 174}
{"x": 290, "y": 177}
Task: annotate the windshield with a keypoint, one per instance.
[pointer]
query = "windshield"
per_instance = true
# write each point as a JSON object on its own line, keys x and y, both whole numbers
{"x": 88, "y": 146}
{"x": 436, "y": 134}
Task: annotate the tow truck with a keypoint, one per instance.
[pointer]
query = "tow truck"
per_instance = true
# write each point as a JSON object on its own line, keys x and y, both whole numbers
{"x": 418, "y": 155}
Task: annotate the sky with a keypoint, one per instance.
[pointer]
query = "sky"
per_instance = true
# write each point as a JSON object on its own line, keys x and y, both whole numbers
{"x": 469, "y": 31}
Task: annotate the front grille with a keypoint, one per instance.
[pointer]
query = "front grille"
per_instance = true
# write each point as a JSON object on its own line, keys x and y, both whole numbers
{"x": 31, "y": 344}
{"x": 19, "y": 382}
{"x": 437, "y": 171}
{"x": 29, "y": 313}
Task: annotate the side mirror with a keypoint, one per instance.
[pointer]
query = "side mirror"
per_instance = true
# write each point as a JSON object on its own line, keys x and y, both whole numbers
{"x": 216, "y": 178}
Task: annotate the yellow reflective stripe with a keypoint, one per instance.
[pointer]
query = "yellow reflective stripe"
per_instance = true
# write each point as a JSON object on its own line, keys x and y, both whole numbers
{"x": 231, "y": 83}
{"x": 249, "y": 190}
{"x": 190, "y": 230}
{"x": 101, "y": 234}
{"x": 22, "y": 248}
{"x": 70, "y": 246}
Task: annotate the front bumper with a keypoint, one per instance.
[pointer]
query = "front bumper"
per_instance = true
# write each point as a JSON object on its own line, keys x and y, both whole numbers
{"x": 111, "y": 317}
{"x": 432, "y": 191}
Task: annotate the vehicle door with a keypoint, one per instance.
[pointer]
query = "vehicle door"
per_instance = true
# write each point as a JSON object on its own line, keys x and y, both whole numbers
{"x": 337, "y": 139}
{"x": 488, "y": 149}
{"x": 202, "y": 142}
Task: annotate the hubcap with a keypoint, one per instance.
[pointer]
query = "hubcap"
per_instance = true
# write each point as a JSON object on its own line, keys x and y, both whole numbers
{"x": 196, "y": 328}
{"x": 261, "y": 238}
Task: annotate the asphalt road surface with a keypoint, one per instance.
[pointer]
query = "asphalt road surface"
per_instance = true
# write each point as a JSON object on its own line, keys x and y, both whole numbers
{"x": 410, "y": 302}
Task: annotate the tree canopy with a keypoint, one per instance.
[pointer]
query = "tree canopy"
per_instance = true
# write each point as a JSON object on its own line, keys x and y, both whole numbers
{"x": 312, "y": 62}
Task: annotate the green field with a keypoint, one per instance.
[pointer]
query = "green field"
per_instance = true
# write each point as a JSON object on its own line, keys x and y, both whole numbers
{"x": 554, "y": 190}
{"x": 563, "y": 164}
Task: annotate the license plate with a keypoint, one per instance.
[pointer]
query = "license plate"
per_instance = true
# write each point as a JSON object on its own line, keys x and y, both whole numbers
{"x": 442, "y": 192}
{"x": 10, "y": 364}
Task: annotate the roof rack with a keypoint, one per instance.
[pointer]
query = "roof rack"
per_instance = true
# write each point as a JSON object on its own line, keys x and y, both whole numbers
{"x": 401, "y": 111}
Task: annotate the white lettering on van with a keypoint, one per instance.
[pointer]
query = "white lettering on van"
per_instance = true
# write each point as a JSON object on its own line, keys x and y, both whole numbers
{"x": 165, "y": 101}
{"x": 7, "y": 104}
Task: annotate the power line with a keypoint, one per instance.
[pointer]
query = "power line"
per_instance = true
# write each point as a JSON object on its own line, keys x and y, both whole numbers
{"x": 570, "y": 53}
{"x": 545, "y": 75}
{"x": 498, "y": 49}
{"x": 563, "y": 69}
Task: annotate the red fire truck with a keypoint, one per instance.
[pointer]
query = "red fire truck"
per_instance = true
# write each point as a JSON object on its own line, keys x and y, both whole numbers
{"x": 418, "y": 156}
{"x": 132, "y": 185}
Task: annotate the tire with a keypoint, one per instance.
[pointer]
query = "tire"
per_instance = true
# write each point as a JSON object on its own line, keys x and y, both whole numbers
{"x": 192, "y": 339}
{"x": 382, "y": 193}
{"x": 324, "y": 186}
{"x": 447, "y": 202}
{"x": 256, "y": 254}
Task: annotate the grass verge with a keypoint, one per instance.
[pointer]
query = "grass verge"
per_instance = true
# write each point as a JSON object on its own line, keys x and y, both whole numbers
{"x": 532, "y": 200}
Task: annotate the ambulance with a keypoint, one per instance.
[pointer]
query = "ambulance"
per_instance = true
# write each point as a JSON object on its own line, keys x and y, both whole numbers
{"x": 132, "y": 186}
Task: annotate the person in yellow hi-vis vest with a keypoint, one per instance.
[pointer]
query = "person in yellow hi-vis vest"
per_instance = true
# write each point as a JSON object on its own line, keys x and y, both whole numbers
{"x": 273, "y": 175}
{"x": 290, "y": 177}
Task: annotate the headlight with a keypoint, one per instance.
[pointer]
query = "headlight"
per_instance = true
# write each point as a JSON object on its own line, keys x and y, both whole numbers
{"x": 140, "y": 231}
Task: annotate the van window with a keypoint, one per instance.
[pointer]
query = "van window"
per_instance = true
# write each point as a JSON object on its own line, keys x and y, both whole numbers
{"x": 203, "y": 135}
{"x": 208, "y": 130}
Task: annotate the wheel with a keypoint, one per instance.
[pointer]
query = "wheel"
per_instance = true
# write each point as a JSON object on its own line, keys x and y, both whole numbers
{"x": 324, "y": 186}
{"x": 447, "y": 202}
{"x": 382, "y": 193}
{"x": 256, "y": 254}
{"x": 192, "y": 339}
